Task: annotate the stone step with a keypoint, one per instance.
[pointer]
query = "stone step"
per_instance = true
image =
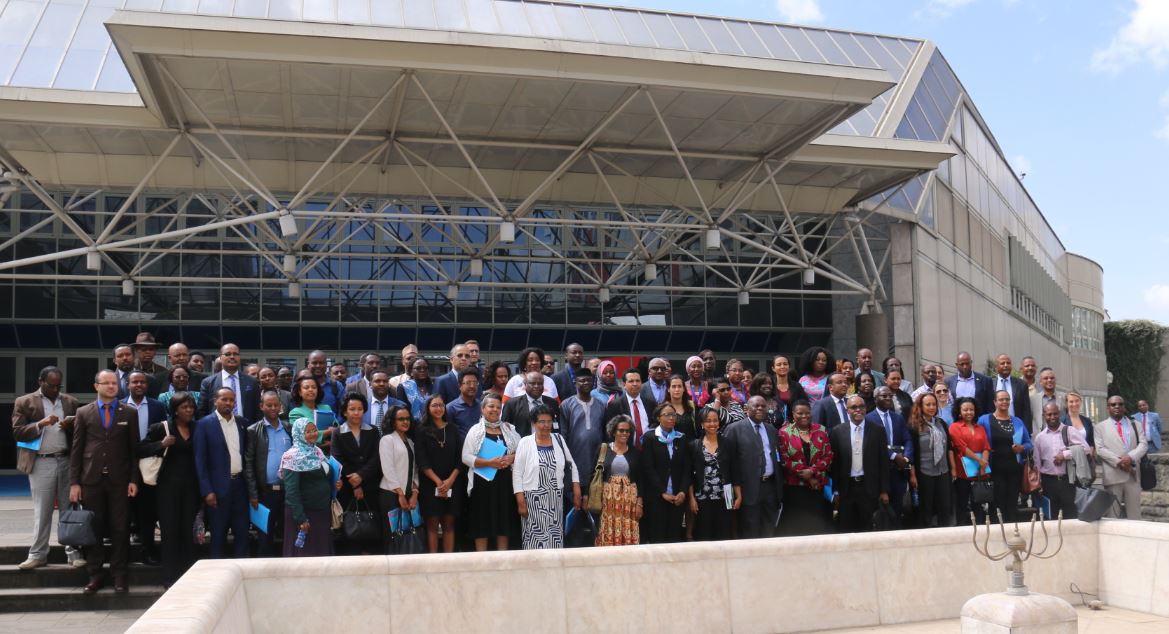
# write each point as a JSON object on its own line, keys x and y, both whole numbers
{"x": 12, "y": 555}
{"x": 139, "y": 597}
{"x": 63, "y": 576}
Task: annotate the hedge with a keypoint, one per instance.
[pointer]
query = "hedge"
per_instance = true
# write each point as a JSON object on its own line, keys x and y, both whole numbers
{"x": 1133, "y": 349}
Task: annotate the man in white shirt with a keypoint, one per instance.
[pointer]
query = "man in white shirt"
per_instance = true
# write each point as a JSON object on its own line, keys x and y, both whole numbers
{"x": 219, "y": 464}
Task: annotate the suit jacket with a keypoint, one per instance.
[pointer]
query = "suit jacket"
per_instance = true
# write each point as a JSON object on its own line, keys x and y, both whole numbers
{"x": 155, "y": 413}
{"x": 874, "y": 459}
{"x": 212, "y": 461}
{"x": 517, "y": 412}
{"x": 620, "y": 405}
{"x": 256, "y": 455}
{"x": 28, "y": 410}
{"x": 745, "y": 450}
{"x": 1155, "y": 430}
{"x": 565, "y": 386}
{"x": 249, "y": 393}
{"x": 1020, "y": 398}
{"x": 357, "y": 385}
{"x": 362, "y": 459}
{"x": 900, "y": 430}
{"x": 658, "y": 468}
{"x": 96, "y": 449}
{"x": 1111, "y": 449}
{"x": 983, "y": 392}
{"x": 1036, "y": 405}
{"x": 447, "y": 386}
{"x": 826, "y": 413}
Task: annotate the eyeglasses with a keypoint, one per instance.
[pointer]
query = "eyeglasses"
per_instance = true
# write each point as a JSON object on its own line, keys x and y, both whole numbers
{"x": 668, "y": 415}
{"x": 657, "y": 369}
{"x": 624, "y": 431}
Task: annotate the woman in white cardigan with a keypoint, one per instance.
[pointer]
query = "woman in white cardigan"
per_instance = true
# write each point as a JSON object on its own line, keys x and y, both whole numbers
{"x": 538, "y": 478}
{"x": 493, "y": 509}
{"x": 399, "y": 484}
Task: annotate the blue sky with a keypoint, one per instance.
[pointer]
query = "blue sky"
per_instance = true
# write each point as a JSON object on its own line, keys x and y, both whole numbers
{"x": 1077, "y": 95}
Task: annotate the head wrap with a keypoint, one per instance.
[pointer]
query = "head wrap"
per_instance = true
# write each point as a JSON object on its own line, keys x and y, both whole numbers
{"x": 303, "y": 456}
{"x": 692, "y": 360}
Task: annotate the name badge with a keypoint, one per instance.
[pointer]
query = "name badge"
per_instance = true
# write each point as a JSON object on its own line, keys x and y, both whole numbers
{"x": 123, "y": 423}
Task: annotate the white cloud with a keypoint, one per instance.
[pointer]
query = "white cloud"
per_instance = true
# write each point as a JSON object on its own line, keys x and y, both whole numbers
{"x": 1157, "y": 298}
{"x": 1022, "y": 164}
{"x": 1144, "y": 38}
{"x": 942, "y": 8}
{"x": 799, "y": 11}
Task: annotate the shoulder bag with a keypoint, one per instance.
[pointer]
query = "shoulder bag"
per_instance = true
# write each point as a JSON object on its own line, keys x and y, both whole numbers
{"x": 597, "y": 485}
{"x": 151, "y": 465}
{"x": 567, "y": 484}
{"x": 406, "y": 540}
{"x": 1148, "y": 473}
{"x": 1031, "y": 481}
{"x": 359, "y": 523}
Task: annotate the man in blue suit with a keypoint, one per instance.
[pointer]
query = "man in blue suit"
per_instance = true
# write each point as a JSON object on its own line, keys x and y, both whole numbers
{"x": 245, "y": 388}
{"x": 148, "y": 411}
{"x": 219, "y": 463}
{"x": 447, "y": 385}
{"x": 971, "y": 384}
{"x": 900, "y": 450}
{"x": 1151, "y": 424}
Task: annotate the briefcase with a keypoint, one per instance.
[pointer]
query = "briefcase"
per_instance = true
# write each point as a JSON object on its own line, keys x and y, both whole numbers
{"x": 75, "y": 527}
{"x": 1093, "y": 503}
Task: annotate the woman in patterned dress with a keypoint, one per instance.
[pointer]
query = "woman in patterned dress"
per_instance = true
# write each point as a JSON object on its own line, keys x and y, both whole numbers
{"x": 710, "y": 470}
{"x": 806, "y": 455}
{"x": 538, "y": 481}
{"x": 622, "y": 506}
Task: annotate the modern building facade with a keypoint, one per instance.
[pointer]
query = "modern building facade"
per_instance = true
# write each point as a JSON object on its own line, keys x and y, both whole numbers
{"x": 359, "y": 174}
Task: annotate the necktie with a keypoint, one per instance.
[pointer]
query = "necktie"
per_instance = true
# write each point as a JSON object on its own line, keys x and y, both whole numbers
{"x": 235, "y": 388}
{"x": 636, "y": 421}
{"x": 1002, "y": 384}
{"x": 123, "y": 384}
{"x": 843, "y": 413}
{"x": 378, "y": 413}
{"x": 1120, "y": 432}
{"x": 888, "y": 427}
{"x": 107, "y": 418}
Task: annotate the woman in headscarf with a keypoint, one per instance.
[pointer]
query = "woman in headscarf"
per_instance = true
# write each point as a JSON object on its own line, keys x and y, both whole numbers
{"x": 696, "y": 385}
{"x": 307, "y": 479}
{"x": 607, "y": 386}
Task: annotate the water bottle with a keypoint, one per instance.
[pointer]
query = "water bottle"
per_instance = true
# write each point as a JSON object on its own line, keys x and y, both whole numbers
{"x": 300, "y": 535}
{"x": 916, "y": 502}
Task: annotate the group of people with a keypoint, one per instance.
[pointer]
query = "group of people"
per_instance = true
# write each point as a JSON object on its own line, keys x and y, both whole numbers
{"x": 589, "y": 454}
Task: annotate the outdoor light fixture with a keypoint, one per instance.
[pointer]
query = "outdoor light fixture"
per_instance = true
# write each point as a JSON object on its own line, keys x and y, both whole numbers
{"x": 713, "y": 238}
{"x": 744, "y": 298}
{"x": 476, "y": 266}
{"x": 294, "y": 289}
{"x": 93, "y": 260}
{"x": 289, "y": 263}
{"x": 809, "y": 277}
{"x": 603, "y": 294}
{"x": 651, "y": 271}
{"x": 128, "y": 287}
{"x": 287, "y": 224}
{"x": 507, "y": 232}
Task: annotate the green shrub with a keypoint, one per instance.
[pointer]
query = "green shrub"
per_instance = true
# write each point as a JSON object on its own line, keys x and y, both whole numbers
{"x": 1133, "y": 349}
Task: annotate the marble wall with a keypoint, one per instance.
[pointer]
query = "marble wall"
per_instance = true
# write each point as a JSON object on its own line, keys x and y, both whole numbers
{"x": 775, "y": 585}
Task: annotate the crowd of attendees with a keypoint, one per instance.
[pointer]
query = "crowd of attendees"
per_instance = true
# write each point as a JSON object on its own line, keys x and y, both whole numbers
{"x": 485, "y": 458}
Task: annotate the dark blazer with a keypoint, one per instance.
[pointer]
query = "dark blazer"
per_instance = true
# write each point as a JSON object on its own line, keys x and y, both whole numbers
{"x": 256, "y": 455}
{"x": 900, "y": 430}
{"x": 983, "y": 392}
{"x": 620, "y": 405}
{"x": 875, "y": 459}
{"x": 565, "y": 386}
{"x": 826, "y": 414}
{"x": 516, "y": 412}
{"x": 1089, "y": 428}
{"x": 249, "y": 392}
{"x": 447, "y": 386}
{"x": 155, "y": 413}
{"x": 1020, "y": 398}
{"x": 698, "y": 463}
{"x": 360, "y": 459}
{"x": 28, "y": 410}
{"x": 745, "y": 451}
{"x": 96, "y": 449}
{"x": 632, "y": 456}
{"x": 212, "y": 462}
{"x": 658, "y": 468}
{"x": 178, "y": 468}
{"x": 357, "y": 386}
{"x": 913, "y": 452}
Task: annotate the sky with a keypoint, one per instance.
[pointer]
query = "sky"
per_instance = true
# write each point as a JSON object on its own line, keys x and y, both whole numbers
{"x": 1076, "y": 92}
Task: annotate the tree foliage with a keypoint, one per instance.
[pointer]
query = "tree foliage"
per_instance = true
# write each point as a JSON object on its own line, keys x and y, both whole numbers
{"x": 1133, "y": 349}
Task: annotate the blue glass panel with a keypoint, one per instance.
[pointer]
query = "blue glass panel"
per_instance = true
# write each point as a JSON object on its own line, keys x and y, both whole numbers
{"x": 250, "y": 8}
{"x": 248, "y": 338}
{"x": 38, "y": 336}
{"x": 550, "y": 340}
{"x": 827, "y": 47}
{"x": 695, "y": 39}
{"x": 419, "y": 14}
{"x": 650, "y": 341}
{"x": 112, "y": 336}
{"x": 114, "y": 77}
{"x": 720, "y": 36}
{"x": 322, "y": 10}
{"x": 854, "y": 51}
{"x": 663, "y": 31}
{"x": 635, "y": 30}
{"x": 507, "y": 339}
{"x": 619, "y": 341}
{"x": 882, "y": 56}
{"x": 437, "y": 339}
{"x": 604, "y": 25}
{"x": 776, "y": 43}
{"x": 79, "y": 70}
{"x": 80, "y": 336}
{"x": 319, "y": 338}
{"x": 215, "y": 7}
{"x": 512, "y": 19}
{"x": 747, "y": 39}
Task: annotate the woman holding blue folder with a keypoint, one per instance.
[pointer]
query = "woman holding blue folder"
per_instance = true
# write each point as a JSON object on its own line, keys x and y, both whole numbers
{"x": 1009, "y": 442}
{"x": 972, "y": 457}
{"x": 489, "y": 451}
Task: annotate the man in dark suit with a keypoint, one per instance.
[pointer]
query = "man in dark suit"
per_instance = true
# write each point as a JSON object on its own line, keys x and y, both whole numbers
{"x": 123, "y": 363}
{"x": 968, "y": 383}
{"x": 518, "y": 410}
{"x": 636, "y": 403}
{"x": 370, "y": 361}
{"x": 565, "y": 380}
{"x": 147, "y": 411}
{"x": 46, "y": 416}
{"x": 447, "y": 385}
{"x": 752, "y": 446}
{"x": 219, "y": 462}
{"x": 145, "y": 348}
{"x": 246, "y": 388}
{"x": 1017, "y": 388}
{"x": 103, "y": 474}
{"x": 900, "y": 449}
{"x": 830, "y": 411}
{"x": 860, "y": 468}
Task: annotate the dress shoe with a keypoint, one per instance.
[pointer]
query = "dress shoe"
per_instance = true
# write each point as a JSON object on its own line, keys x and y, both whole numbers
{"x": 95, "y": 583}
{"x": 30, "y": 563}
{"x": 120, "y": 585}
{"x": 78, "y": 562}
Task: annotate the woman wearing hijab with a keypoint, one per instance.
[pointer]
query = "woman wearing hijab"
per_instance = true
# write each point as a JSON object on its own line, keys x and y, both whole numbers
{"x": 607, "y": 386}
{"x": 493, "y": 506}
{"x": 307, "y": 480}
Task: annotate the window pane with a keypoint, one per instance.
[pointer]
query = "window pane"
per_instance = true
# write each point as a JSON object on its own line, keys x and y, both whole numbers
{"x": 856, "y": 54}
{"x": 353, "y": 11}
{"x": 79, "y": 373}
{"x": 79, "y": 72}
{"x": 718, "y": 33}
{"x": 634, "y": 29}
{"x": 481, "y": 13}
{"x": 450, "y": 14}
{"x": 251, "y": 8}
{"x": 775, "y": 42}
{"x": 826, "y": 46}
{"x": 37, "y": 68}
{"x": 419, "y": 14}
{"x": 573, "y": 24}
{"x": 747, "y": 39}
{"x": 215, "y": 7}
{"x": 663, "y": 31}
{"x": 604, "y": 26}
{"x": 114, "y": 77}
{"x": 801, "y": 44}
{"x": 543, "y": 20}
{"x": 512, "y": 19}
{"x": 693, "y": 36}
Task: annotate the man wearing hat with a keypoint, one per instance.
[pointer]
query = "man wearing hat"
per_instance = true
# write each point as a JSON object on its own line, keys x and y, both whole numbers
{"x": 144, "y": 348}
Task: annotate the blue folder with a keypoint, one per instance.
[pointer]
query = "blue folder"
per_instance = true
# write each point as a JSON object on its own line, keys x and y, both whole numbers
{"x": 489, "y": 451}
{"x": 259, "y": 517}
{"x": 971, "y": 467}
{"x": 31, "y": 445}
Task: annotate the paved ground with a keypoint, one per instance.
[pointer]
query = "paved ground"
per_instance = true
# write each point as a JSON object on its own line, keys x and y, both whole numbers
{"x": 1106, "y": 621}
{"x": 117, "y": 621}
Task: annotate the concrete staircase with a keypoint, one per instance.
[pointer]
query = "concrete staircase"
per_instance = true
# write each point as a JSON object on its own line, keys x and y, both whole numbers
{"x": 56, "y": 587}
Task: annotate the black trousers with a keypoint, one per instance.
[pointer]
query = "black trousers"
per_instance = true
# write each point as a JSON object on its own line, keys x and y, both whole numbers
{"x": 661, "y": 522}
{"x": 1008, "y": 482}
{"x": 856, "y": 509}
{"x": 1062, "y": 495}
{"x": 713, "y": 520}
{"x": 935, "y": 501}
{"x": 110, "y": 504}
{"x": 145, "y": 506}
{"x": 388, "y": 501}
{"x": 963, "y": 506}
{"x": 758, "y": 520}
{"x": 898, "y": 484}
{"x": 268, "y": 542}
{"x": 178, "y": 504}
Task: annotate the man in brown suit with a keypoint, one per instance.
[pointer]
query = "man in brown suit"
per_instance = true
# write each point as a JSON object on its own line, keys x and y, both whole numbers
{"x": 103, "y": 472}
{"x": 45, "y": 418}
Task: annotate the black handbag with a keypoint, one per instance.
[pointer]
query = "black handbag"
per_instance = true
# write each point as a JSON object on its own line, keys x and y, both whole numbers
{"x": 1093, "y": 503}
{"x": 885, "y": 518}
{"x": 75, "y": 527}
{"x": 407, "y": 540}
{"x": 981, "y": 492}
{"x": 359, "y": 523}
{"x": 1148, "y": 474}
